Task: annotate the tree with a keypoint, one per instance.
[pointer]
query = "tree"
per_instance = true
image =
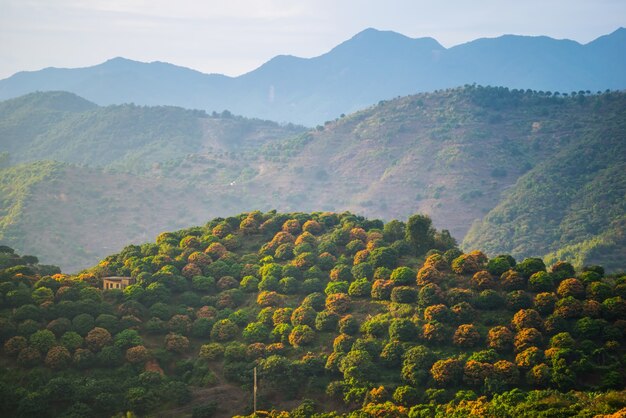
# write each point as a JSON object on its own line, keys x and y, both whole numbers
{"x": 176, "y": 343}
{"x": 527, "y": 337}
{"x": 466, "y": 335}
{"x": 58, "y": 358}
{"x": 338, "y": 303}
{"x": 357, "y": 365}
{"x": 403, "y": 294}
{"x": 71, "y": 340}
{"x": 500, "y": 338}
{"x": 571, "y": 287}
{"x": 42, "y": 340}
{"x": 301, "y": 335}
{"x": 482, "y": 280}
{"x": 14, "y": 345}
{"x": 360, "y": 288}
{"x": 127, "y": 338}
{"x": 475, "y": 372}
{"x": 446, "y": 372}
{"x": 255, "y": 332}
{"x": 97, "y": 338}
{"x": 527, "y": 318}
{"x": 402, "y": 329}
{"x": 402, "y": 276}
{"x": 137, "y": 354}
{"x": 224, "y": 330}
{"x": 326, "y": 321}
{"x": 420, "y": 233}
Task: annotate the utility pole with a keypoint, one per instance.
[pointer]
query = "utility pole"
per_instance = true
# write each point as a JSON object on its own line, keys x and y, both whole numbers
{"x": 255, "y": 391}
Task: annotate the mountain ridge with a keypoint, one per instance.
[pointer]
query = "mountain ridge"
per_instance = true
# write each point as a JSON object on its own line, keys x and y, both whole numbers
{"x": 312, "y": 90}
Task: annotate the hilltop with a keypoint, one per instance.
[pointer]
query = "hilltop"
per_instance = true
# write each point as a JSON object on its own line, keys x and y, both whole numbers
{"x": 371, "y": 66}
{"x": 341, "y": 316}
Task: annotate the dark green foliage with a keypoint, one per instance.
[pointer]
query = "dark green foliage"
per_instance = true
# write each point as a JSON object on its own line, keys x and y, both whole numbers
{"x": 429, "y": 336}
{"x": 420, "y": 233}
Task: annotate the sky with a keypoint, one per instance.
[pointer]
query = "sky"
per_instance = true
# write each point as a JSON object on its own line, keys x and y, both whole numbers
{"x": 236, "y": 36}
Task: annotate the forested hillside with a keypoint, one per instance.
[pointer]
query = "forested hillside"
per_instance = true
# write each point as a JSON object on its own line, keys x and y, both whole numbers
{"x": 340, "y": 315}
{"x": 535, "y": 172}
{"x": 63, "y": 127}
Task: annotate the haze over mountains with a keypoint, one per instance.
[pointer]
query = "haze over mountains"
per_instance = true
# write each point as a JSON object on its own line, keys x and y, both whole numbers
{"x": 373, "y": 65}
{"x": 532, "y": 170}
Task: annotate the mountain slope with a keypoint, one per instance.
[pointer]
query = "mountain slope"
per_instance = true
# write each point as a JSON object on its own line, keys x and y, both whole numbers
{"x": 574, "y": 198}
{"x": 64, "y": 127}
{"x": 71, "y": 216}
{"x": 371, "y": 66}
{"x": 456, "y": 155}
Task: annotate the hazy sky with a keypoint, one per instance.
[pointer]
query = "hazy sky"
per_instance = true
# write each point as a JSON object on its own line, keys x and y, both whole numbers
{"x": 236, "y": 36}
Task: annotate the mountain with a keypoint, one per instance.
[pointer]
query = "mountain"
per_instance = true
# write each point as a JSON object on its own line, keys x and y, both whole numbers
{"x": 310, "y": 315}
{"x": 372, "y": 66}
{"x": 489, "y": 157}
{"x": 64, "y": 127}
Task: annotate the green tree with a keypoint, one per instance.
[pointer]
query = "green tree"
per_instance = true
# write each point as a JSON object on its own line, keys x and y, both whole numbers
{"x": 420, "y": 233}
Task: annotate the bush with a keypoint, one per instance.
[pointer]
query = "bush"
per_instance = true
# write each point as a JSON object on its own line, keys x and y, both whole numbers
{"x": 326, "y": 321}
